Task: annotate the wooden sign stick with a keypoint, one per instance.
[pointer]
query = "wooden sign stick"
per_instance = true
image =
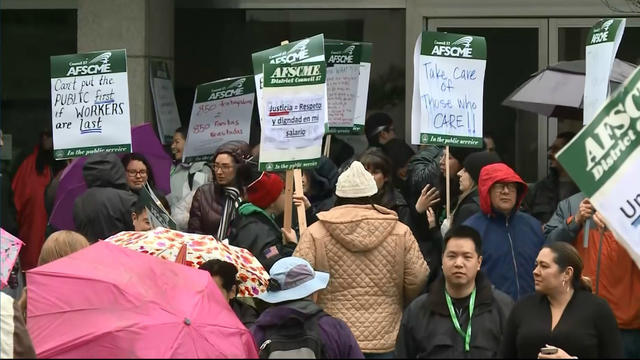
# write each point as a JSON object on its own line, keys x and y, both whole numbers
{"x": 448, "y": 186}
{"x": 299, "y": 191}
{"x": 327, "y": 145}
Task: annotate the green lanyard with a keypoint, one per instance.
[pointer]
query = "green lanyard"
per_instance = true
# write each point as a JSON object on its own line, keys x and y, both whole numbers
{"x": 456, "y": 324}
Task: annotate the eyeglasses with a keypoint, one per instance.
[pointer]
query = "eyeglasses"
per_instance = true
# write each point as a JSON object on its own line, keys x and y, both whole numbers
{"x": 224, "y": 168}
{"x": 134, "y": 173}
{"x": 500, "y": 186}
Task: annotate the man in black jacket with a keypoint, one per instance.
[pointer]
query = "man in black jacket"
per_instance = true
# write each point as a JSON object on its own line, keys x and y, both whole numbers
{"x": 105, "y": 208}
{"x": 461, "y": 302}
{"x": 255, "y": 228}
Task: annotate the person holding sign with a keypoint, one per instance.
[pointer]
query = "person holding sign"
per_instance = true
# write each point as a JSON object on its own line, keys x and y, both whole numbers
{"x": 215, "y": 204}
{"x": 512, "y": 238}
{"x": 139, "y": 173}
{"x": 615, "y": 276}
{"x": 563, "y": 319}
{"x": 255, "y": 228}
{"x": 463, "y": 302}
{"x": 186, "y": 178}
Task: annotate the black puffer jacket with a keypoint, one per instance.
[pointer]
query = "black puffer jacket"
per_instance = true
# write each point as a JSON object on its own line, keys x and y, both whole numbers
{"x": 105, "y": 208}
{"x": 541, "y": 201}
{"x": 427, "y": 331}
{"x": 256, "y": 231}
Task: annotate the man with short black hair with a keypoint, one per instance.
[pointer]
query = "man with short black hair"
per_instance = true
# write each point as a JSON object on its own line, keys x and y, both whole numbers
{"x": 439, "y": 324}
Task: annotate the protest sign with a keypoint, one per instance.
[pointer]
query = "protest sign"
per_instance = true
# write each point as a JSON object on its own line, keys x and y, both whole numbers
{"x": 602, "y": 44}
{"x": 305, "y": 50}
{"x": 604, "y": 161}
{"x": 448, "y": 89}
{"x": 295, "y": 100}
{"x": 90, "y": 103}
{"x": 164, "y": 100}
{"x": 158, "y": 215}
{"x": 221, "y": 112}
{"x": 348, "y": 69}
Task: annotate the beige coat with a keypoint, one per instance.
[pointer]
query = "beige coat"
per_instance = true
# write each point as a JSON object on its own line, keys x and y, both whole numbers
{"x": 375, "y": 265}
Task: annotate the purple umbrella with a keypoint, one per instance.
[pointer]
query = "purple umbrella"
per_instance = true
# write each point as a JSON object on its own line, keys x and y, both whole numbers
{"x": 143, "y": 141}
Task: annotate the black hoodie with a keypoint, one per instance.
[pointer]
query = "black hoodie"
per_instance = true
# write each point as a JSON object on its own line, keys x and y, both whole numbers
{"x": 105, "y": 208}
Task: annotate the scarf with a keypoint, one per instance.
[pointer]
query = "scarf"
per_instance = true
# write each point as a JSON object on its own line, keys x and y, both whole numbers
{"x": 228, "y": 214}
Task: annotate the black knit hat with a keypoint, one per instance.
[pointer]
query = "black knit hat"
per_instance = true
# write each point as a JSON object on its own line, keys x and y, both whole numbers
{"x": 461, "y": 153}
{"x": 375, "y": 123}
{"x": 476, "y": 161}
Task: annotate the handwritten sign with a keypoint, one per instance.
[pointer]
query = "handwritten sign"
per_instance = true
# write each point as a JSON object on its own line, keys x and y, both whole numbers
{"x": 348, "y": 68}
{"x": 602, "y": 44}
{"x": 604, "y": 161}
{"x": 221, "y": 112}
{"x": 295, "y": 111}
{"x": 90, "y": 104}
{"x": 164, "y": 100}
{"x": 449, "y": 74}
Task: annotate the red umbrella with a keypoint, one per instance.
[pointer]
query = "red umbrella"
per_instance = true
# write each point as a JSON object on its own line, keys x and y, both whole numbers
{"x": 106, "y": 301}
{"x": 144, "y": 141}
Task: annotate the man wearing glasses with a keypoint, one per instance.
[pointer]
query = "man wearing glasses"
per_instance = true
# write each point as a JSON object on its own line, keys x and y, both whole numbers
{"x": 512, "y": 239}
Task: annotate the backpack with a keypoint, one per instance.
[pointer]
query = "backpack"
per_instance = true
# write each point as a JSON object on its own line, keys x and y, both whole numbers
{"x": 295, "y": 338}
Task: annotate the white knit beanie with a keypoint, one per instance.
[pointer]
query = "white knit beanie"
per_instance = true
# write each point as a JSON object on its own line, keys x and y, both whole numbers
{"x": 356, "y": 182}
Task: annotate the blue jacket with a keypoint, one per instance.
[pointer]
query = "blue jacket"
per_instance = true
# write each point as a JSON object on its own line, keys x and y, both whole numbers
{"x": 510, "y": 244}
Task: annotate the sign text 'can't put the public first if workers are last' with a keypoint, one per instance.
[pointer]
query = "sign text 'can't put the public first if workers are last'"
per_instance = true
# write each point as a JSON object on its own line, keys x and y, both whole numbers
{"x": 90, "y": 104}
{"x": 448, "y": 89}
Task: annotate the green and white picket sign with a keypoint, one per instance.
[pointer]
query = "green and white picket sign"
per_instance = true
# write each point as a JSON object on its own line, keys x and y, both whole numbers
{"x": 305, "y": 50}
{"x": 164, "y": 100}
{"x": 604, "y": 161}
{"x": 448, "y": 89}
{"x": 602, "y": 44}
{"x": 221, "y": 112}
{"x": 294, "y": 122}
{"x": 90, "y": 103}
{"x": 348, "y": 70}
{"x": 158, "y": 215}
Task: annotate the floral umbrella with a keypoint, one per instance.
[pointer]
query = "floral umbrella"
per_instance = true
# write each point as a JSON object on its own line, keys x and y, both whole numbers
{"x": 9, "y": 249}
{"x": 166, "y": 244}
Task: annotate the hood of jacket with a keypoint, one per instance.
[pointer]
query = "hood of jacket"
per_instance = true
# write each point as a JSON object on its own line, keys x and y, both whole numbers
{"x": 492, "y": 174}
{"x": 279, "y": 313}
{"x": 104, "y": 170}
{"x": 359, "y": 227}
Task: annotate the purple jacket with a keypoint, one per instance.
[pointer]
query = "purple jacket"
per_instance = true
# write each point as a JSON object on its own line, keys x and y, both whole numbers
{"x": 338, "y": 340}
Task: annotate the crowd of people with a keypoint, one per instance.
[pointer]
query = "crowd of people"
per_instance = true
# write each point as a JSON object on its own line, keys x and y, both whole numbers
{"x": 381, "y": 271}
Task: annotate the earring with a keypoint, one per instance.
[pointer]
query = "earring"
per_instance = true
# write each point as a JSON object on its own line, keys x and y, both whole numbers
{"x": 564, "y": 284}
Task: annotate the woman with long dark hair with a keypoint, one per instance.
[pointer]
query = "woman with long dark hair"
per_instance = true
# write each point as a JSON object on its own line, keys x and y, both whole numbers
{"x": 563, "y": 319}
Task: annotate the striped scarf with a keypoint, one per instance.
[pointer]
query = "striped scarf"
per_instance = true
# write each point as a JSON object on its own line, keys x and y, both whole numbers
{"x": 228, "y": 214}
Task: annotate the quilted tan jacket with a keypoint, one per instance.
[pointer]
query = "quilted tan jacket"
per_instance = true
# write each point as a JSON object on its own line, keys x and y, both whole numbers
{"x": 375, "y": 265}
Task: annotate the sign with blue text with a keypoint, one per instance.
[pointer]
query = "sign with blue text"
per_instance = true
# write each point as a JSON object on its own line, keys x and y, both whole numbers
{"x": 604, "y": 161}
{"x": 448, "y": 89}
{"x": 90, "y": 104}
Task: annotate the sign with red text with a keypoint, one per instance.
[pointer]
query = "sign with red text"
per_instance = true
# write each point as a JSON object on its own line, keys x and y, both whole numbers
{"x": 90, "y": 104}
{"x": 448, "y": 89}
{"x": 221, "y": 112}
{"x": 348, "y": 69}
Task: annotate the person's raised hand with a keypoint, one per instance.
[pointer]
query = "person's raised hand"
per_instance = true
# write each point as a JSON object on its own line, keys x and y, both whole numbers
{"x": 431, "y": 218}
{"x": 428, "y": 197}
{"x": 301, "y": 199}
{"x": 585, "y": 211}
